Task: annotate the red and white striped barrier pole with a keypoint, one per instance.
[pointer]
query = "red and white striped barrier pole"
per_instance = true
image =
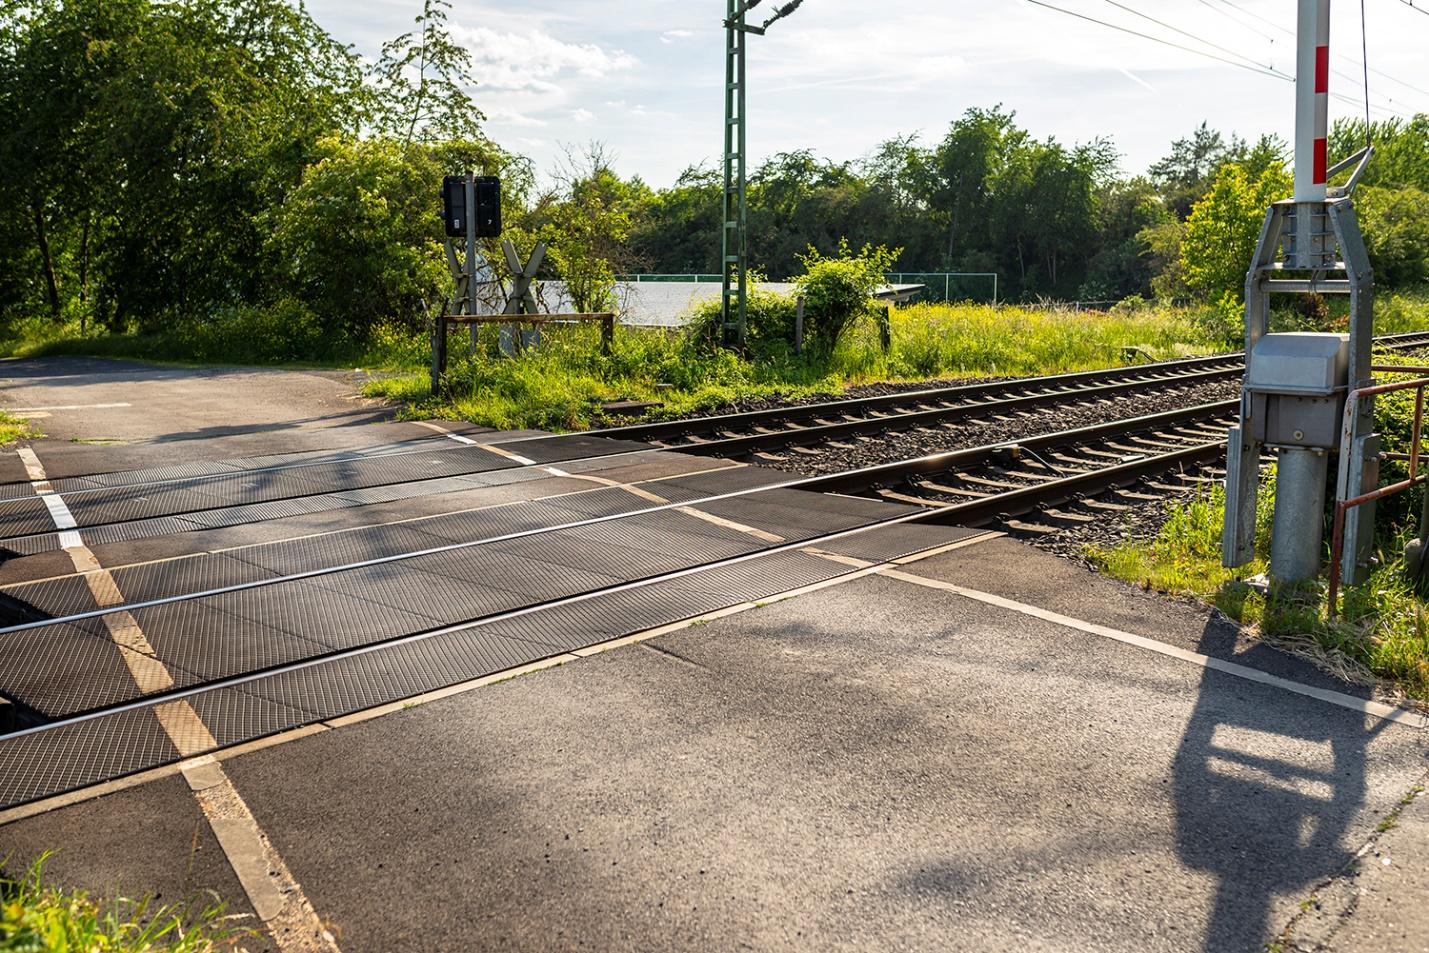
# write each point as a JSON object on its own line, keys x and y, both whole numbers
{"x": 1312, "y": 99}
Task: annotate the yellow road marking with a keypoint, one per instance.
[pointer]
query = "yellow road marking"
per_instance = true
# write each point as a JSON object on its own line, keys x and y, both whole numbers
{"x": 275, "y": 894}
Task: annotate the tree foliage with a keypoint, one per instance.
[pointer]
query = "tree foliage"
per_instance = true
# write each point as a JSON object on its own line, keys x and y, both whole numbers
{"x": 1224, "y": 226}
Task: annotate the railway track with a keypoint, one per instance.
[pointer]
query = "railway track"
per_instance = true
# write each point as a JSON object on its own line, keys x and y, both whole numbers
{"x": 835, "y": 423}
{"x": 1000, "y": 483}
{"x": 266, "y": 636}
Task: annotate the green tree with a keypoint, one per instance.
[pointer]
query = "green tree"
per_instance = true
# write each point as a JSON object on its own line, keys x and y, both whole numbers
{"x": 1120, "y": 267}
{"x": 586, "y": 223}
{"x": 1395, "y": 223}
{"x": 1224, "y": 226}
{"x": 422, "y": 82}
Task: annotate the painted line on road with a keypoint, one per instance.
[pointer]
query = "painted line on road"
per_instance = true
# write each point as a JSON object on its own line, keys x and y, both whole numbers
{"x": 1379, "y": 710}
{"x": 104, "y": 788}
{"x": 40, "y": 410}
{"x": 459, "y": 438}
{"x": 277, "y": 897}
{"x": 629, "y": 488}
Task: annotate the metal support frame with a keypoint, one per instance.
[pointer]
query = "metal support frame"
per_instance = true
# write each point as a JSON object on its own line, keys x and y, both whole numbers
{"x": 470, "y": 273}
{"x": 734, "y": 249}
{"x": 1310, "y": 234}
{"x": 734, "y": 219}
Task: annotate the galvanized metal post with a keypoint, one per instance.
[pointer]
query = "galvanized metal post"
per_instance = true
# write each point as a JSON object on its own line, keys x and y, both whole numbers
{"x": 471, "y": 255}
{"x": 1298, "y": 533}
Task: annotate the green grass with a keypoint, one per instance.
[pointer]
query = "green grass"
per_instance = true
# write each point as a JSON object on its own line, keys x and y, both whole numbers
{"x": 14, "y": 428}
{"x": 36, "y": 917}
{"x": 561, "y": 385}
{"x": 1381, "y": 630}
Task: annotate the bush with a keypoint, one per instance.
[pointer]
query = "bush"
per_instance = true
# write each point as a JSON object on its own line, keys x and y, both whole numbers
{"x": 1220, "y": 236}
{"x": 837, "y": 291}
{"x": 769, "y": 325}
{"x": 284, "y": 333}
{"x": 359, "y": 239}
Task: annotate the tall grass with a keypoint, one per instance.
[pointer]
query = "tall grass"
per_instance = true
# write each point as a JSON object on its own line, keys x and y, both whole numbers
{"x": 36, "y": 917}
{"x": 560, "y": 385}
{"x": 14, "y": 428}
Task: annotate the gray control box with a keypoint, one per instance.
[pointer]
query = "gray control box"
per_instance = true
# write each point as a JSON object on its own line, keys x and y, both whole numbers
{"x": 1297, "y": 384}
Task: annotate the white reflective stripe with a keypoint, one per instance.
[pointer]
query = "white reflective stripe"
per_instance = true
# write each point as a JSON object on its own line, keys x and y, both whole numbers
{"x": 1377, "y": 709}
{"x": 60, "y": 513}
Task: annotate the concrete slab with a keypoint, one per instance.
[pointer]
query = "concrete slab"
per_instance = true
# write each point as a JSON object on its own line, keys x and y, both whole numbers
{"x": 86, "y": 398}
{"x": 1015, "y": 570}
{"x": 870, "y": 766}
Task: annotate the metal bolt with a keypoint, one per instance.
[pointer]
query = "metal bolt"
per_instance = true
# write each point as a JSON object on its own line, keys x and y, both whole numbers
{"x": 1299, "y": 435}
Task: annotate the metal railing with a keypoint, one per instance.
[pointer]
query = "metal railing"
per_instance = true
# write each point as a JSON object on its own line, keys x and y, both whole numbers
{"x": 1415, "y": 478}
{"x": 943, "y": 281}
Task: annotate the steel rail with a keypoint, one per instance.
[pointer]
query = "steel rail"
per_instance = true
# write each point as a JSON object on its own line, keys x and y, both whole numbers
{"x": 751, "y": 443}
{"x": 862, "y": 479}
{"x": 986, "y": 391}
{"x": 747, "y": 420}
{"x": 970, "y": 513}
{"x": 886, "y": 474}
{"x": 729, "y": 422}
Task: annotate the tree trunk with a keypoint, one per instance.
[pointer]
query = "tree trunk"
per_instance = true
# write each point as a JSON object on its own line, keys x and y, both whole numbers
{"x": 47, "y": 261}
{"x": 84, "y": 273}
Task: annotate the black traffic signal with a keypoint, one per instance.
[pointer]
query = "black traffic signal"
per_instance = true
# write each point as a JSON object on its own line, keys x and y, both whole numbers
{"x": 488, "y": 206}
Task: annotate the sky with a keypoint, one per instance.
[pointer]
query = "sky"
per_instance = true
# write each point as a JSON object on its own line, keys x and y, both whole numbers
{"x": 645, "y": 77}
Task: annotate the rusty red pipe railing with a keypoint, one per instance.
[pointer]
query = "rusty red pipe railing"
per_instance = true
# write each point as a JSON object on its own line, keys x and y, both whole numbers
{"x": 1337, "y": 537}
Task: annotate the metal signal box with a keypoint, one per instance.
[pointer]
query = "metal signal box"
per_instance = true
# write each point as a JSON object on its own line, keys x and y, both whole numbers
{"x": 454, "y": 205}
{"x": 1296, "y": 385}
{"x": 486, "y": 214}
{"x": 488, "y": 206}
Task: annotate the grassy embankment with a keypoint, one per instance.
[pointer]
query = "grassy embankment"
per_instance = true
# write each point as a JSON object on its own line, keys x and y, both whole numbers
{"x": 35, "y": 916}
{"x": 561, "y": 386}
{"x": 1381, "y": 630}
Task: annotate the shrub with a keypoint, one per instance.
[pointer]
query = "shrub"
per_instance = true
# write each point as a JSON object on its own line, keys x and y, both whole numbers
{"x": 283, "y": 333}
{"x": 837, "y": 291}
{"x": 1220, "y": 235}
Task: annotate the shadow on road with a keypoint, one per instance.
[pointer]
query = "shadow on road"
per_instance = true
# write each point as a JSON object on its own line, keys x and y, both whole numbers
{"x": 1265, "y": 789}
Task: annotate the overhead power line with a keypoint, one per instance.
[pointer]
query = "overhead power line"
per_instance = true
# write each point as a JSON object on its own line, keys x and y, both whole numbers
{"x": 1176, "y": 29}
{"x": 1220, "y": 5}
{"x": 1416, "y": 8}
{"x": 1268, "y": 71}
{"x": 1242, "y": 63}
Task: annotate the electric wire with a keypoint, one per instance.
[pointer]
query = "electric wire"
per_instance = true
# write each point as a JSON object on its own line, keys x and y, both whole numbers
{"x": 1243, "y": 63}
{"x": 1264, "y": 70}
{"x": 1291, "y": 33}
{"x": 1417, "y": 9}
{"x": 1364, "y": 52}
{"x": 1185, "y": 33}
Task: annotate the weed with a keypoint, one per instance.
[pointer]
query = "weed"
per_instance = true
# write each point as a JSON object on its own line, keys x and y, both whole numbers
{"x": 37, "y": 916}
{"x": 14, "y": 428}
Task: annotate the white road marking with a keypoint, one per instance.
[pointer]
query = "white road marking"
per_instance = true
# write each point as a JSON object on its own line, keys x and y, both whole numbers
{"x": 1375, "y": 709}
{"x": 627, "y": 487}
{"x": 276, "y": 896}
{"x": 524, "y": 461}
{"x": 34, "y": 410}
{"x": 69, "y": 798}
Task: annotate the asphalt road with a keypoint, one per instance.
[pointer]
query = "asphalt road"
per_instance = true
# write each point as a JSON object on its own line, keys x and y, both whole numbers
{"x": 878, "y": 765}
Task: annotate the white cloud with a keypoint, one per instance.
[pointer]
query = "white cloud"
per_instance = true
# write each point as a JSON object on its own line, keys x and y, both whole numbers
{"x": 582, "y": 115}
{"x": 532, "y": 60}
{"x": 512, "y": 117}
{"x": 670, "y": 36}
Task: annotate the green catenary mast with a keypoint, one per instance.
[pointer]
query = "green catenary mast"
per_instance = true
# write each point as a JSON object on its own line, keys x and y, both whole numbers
{"x": 734, "y": 259}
